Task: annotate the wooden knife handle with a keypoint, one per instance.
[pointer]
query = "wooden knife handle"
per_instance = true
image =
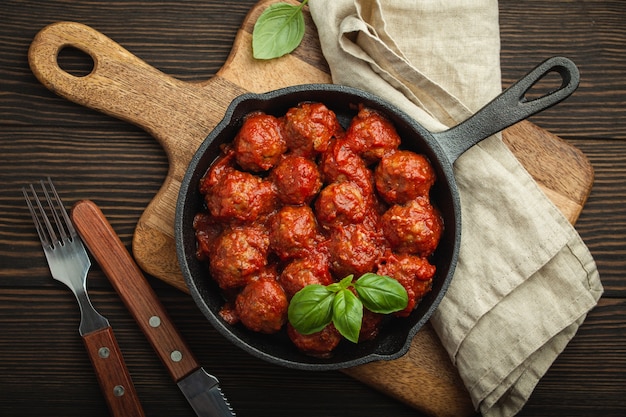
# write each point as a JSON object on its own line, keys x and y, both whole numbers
{"x": 133, "y": 288}
{"x": 113, "y": 376}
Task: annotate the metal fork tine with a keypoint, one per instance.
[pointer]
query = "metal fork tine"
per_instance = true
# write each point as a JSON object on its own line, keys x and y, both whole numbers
{"x": 41, "y": 218}
{"x": 53, "y": 213}
{"x": 43, "y": 237}
{"x": 66, "y": 224}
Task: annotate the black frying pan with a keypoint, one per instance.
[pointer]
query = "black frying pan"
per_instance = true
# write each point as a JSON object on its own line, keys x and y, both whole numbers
{"x": 441, "y": 148}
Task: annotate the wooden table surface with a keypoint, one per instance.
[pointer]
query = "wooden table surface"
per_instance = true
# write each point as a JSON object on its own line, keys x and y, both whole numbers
{"x": 44, "y": 370}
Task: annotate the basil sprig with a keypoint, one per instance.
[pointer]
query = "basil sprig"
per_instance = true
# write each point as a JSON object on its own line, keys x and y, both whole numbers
{"x": 278, "y": 31}
{"x": 316, "y": 306}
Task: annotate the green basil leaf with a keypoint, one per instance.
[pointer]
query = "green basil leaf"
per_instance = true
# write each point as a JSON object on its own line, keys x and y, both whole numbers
{"x": 348, "y": 314}
{"x": 311, "y": 309}
{"x": 278, "y": 31}
{"x": 341, "y": 285}
{"x": 381, "y": 294}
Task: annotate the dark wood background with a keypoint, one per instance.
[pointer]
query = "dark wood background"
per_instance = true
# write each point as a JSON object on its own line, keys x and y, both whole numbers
{"x": 43, "y": 367}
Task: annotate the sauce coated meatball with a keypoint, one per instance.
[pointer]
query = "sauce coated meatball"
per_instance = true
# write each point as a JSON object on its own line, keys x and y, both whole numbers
{"x": 319, "y": 344}
{"x": 341, "y": 203}
{"x": 402, "y": 176}
{"x": 259, "y": 143}
{"x": 262, "y": 306}
{"x": 413, "y": 272}
{"x": 237, "y": 254}
{"x": 354, "y": 249}
{"x": 228, "y": 312}
{"x": 414, "y": 228}
{"x": 297, "y": 180}
{"x": 312, "y": 269}
{"x": 371, "y": 135}
{"x": 340, "y": 163}
{"x": 293, "y": 232}
{"x": 309, "y": 128}
{"x": 240, "y": 196}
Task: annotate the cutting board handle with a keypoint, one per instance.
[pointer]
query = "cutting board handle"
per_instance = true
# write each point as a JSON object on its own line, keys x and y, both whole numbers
{"x": 120, "y": 84}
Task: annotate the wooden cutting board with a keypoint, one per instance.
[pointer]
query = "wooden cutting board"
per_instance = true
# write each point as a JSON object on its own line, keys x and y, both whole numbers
{"x": 179, "y": 115}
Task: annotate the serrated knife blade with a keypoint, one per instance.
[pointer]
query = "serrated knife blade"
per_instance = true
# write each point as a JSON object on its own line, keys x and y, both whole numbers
{"x": 199, "y": 387}
{"x": 204, "y": 394}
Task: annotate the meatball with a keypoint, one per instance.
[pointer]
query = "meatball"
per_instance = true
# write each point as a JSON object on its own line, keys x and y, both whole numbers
{"x": 354, "y": 249}
{"x": 238, "y": 254}
{"x": 414, "y": 228}
{"x": 262, "y": 306}
{"x": 312, "y": 269}
{"x": 413, "y": 272}
{"x": 293, "y": 232}
{"x": 309, "y": 128}
{"x": 240, "y": 196}
{"x": 297, "y": 180}
{"x": 259, "y": 143}
{"x": 319, "y": 344}
{"x": 371, "y": 135}
{"x": 340, "y": 163}
{"x": 402, "y": 176}
{"x": 341, "y": 203}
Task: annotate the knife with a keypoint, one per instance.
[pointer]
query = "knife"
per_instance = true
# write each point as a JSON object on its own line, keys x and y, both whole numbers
{"x": 199, "y": 387}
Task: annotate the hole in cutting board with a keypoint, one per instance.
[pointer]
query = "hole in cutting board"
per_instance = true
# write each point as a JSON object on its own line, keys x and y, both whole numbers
{"x": 75, "y": 62}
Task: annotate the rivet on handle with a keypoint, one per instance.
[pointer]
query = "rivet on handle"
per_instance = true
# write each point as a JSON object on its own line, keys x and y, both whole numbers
{"x": 118, "y": 390}
{"x": 154, "y": 321}
{"x": 176, "y": 356}
{"x": 104, "y": 352}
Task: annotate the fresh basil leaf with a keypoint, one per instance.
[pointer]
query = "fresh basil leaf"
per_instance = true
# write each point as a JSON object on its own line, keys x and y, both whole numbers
{"x": 346, "y": 282}
{"x": 381, "y": 294}
{"x": 278, "y": 31}
{"x": 348, "y": 314}
{"x": 311, "y": 309}
{"x": 341, "y": 285}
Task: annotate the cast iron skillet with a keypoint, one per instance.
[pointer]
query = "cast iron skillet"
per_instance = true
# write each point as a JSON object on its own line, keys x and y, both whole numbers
{"x": 441, "y": 148}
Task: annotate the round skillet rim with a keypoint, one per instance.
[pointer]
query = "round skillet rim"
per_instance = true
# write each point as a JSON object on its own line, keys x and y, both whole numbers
{"x": 261, "y": 346}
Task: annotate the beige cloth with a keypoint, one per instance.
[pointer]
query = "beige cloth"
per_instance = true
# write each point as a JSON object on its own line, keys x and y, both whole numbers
{"x": 525, "y": 280}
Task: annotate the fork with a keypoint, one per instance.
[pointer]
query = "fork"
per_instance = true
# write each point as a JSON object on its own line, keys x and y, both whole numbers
{"x": 69, "y": 264}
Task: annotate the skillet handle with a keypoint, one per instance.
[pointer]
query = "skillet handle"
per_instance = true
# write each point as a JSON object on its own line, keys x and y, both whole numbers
{"x": 510, "y": 107}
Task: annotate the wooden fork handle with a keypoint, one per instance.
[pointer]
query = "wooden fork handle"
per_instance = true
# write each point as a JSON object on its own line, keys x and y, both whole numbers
{"x": 113, "y": 376}
{"x": 133, "y": 288}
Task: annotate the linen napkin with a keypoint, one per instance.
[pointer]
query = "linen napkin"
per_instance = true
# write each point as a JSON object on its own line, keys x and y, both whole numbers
{"x": 525, "y": 280}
